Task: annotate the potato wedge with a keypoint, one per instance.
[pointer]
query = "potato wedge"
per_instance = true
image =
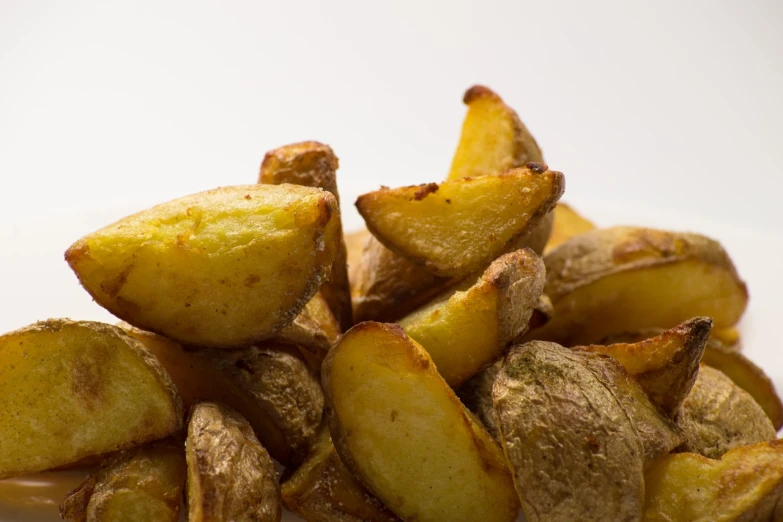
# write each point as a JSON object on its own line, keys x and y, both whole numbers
{"x": 313, "y": 164}
{"x": 665, "y": 365}
{"x": 458, "y": 227}
{"x": 404, "y": 434}
{"x": 323, "y": 490}
{"x": 267, "y": 384}
{"x": 470, "y": 326}
{"x": 493, "y": 138}
{"x": 144, "y": 484}
{"x": 223, "y": 268}
{"x": 718, "y": 416}
{"x": 230, "y": 475}
{"x": 88, "y": 387}
{"x": 621, "y": 279}
{"x": 567, "y": 224}
{"x": 729, "y": 337}
{"x": 355, "y": 243}
{"x": 314, "y": 331}
{"x": 744, "y": 485}
{"x": 574, "y": 451}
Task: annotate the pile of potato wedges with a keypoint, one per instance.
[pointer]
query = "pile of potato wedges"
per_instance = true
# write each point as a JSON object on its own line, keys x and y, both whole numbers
{"x": 480, "y": 351}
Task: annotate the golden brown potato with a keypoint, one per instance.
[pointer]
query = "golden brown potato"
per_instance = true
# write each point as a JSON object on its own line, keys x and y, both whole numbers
{"x": 728, "y": 336}
{"x": 403, "y": 433}
{"x": 314, "y": 331}
{"x": 458, "y": 227}
{"x": 493, "y": 138}
{"x": 230, "y": 475}
{"x": 223, "y": 268}
{"x": 621, "y": 279}
{"x": 323, "y": 490}
{"x": 744, "y": 485}
{"x": 267, "y": 384}
{"x": 665, "y": 365}
{"x": 144, "y": 484}
{"x": 313, "y": 164}
{"x": 470, "y": 326}
{"x": 567, "y": 224}
{"x": 355, "y": 242}
{"x": 718, "y": 416}
{"x": 70, "y": 389}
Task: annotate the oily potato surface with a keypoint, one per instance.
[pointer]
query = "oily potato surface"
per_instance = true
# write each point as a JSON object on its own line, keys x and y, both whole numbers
{"x": 72, "y": 389}
{"x": 222, "y": 268}
{"x": 404, "y": 434}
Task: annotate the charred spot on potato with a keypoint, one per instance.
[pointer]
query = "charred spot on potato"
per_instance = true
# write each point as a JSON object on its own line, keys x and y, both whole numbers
{"x": 425, "y": 190}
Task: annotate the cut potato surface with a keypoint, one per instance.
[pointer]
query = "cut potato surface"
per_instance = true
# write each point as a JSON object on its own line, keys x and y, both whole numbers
{"x": 567, "y": 224}
{"x": 72, "y": 389}
{"x": 403, "y": 433}
{"x": 469, "y": 327}
{"x": 460, "y": 226}
{"x": 222, "y": 268}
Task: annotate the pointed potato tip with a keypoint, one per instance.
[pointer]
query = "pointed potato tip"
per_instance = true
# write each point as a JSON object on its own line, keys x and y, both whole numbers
{"x": 479, "y": 91}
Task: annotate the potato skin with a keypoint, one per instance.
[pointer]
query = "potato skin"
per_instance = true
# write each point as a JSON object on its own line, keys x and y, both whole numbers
{"x": 718, "y": 416}
{"x": 230, "y": 475}
{"x": 314, "y": 331}
{"x": 91, "y": 388}
{"x": 222, "y": 268}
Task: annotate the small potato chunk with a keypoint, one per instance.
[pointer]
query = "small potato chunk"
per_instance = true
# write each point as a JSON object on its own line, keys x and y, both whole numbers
{"x": 469, "y": 327}
{"x": 144, "y": 484}
{"x": 567, "y": 224}
{"x": 665, "y": 365}
{"x": 223, "y": 268}
{"x": 71, "y": 389}
{"x": 493, "y": 138}
{"x": 267, "y": 384}
{"x": 323, "y": 490}
{"x": 403, "y": 433}
{"x": 458, "y": 227}
{"x": 621, "y": 279}
{"x": 744, "y": 485}
{"x": 314, "y": 331}
{"x": 313, "y": 164}
{"x": 230, "y": 475}
{"x": 718, "y": 416}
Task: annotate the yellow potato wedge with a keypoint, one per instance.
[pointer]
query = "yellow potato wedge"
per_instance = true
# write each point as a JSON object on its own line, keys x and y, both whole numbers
{"x": 621, "y": 279}
{"x": 223, "y": 268}
{"x": 718, "y": 416}
{"x": 323, "y": 490}
{"x": 493, "y": 138}
{"x": 314, "y": 331}
{"x": 144, "y": 484}
{"x": 405, "y": 436}
{"x": 665, "y": 365}
{"x": 458, "y": 227}
{"x": 567, "y": 224}
{"x": 467, "y": 328}
{"x": 70, "y": 389}
{"x": 230, "y": 475}
{"x": 267, "y": 384}
{"x": 744, "y": 485}
{"x": 313, "y": 164}
{"x": 355, "y": 243}
{"x": 729, "y": 337}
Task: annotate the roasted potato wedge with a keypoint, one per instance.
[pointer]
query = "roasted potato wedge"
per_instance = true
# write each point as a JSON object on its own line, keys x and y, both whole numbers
{"x": 470, "y": 326}
{"x": 403, "y": 433}
{"x": 313, "y": 164}
{"x": 621, "y": 279}
{"x": 729, "y": 337}
{"x": 267, "y": 384}
{"x": 223, "y": 268}
{"x": 70, "y": 389}
{"x": 665, "y": 365}
{"x": 718, "y": 416}
{"x": 323, "y": 490}
{"x": 458, "y": 227}
{"x": 567, "y": 223}
{"x": 493, "y": 138}
{"x": 144, "y": 484}
{"x": 314, "y": 331}
{"x": 355, "y": 243}
{"x": 744, "y": 485}
{"x": 230, "y": 475}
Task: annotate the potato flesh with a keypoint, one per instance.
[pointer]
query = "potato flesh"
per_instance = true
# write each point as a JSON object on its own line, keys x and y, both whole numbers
{"x": 743, "y": 485}
{"x": 405, "y": 435}
{"x": 567, "y": 224}
{"x": 222, "y": 268}
{"x": 69, "y": 390}
{"x": 458, "y": 227}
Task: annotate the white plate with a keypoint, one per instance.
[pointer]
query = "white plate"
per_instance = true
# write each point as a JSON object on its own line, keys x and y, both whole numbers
{"x": 36, "y": 284}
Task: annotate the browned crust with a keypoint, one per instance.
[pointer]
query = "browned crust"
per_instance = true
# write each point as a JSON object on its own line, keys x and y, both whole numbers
{"x": 478, "y": 91}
